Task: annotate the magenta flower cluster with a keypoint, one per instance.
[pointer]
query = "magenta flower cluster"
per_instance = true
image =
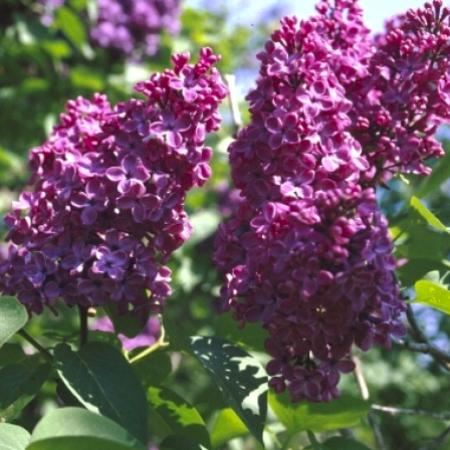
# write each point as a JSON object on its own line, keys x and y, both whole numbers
{"x": 106, "y": 205}
{"x": 308, "y": 253}
{"x": 134, "y": 27}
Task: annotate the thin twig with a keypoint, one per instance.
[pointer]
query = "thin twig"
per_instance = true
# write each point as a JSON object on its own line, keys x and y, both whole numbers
{"x": 83, "y": 326}
{"x": 379, "y": 439}
{"x": 393, "y": 411}
{"x": 161, "y": 343}
{"x": 360, "y": 379}
{"x": 234, "y": 104}
{"x": 45, "y": 353}
{"x": 422, "y": 344}
{"x": 437, "y": 442}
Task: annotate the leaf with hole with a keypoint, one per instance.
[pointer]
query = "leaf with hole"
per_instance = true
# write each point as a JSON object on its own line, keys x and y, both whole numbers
{"x": 240, "y": 377}
{"x": 181, "y": 418}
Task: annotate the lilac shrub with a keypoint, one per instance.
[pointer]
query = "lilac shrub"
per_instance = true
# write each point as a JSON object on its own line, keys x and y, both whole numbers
{"x": 133, "y": 27}
{"x": 307, "y": 253}
{"x": 105, "y": 208}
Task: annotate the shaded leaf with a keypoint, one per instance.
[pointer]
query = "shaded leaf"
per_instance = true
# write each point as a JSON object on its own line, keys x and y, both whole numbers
{"x": 433, "y": 294}
{"x": 101, "y": 380}
{"x": 180, "y": 443}
{"x": 19, "y": 384}
{"x": 78, "y": 429}
{"x": 240, "y": 377}
{"x": 341, "y": 413}
{"x": 180, "y": 417}
{"x": 13, "y": 317}
{"x": 153, "y": 369}
{"x": 340, "y": 443}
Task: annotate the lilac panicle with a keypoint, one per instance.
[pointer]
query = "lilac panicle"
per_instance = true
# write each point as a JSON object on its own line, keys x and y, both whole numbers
{"x": 307, "y": 251}
{"x": 405, "y": 95}
{"x": 105, "y": 209}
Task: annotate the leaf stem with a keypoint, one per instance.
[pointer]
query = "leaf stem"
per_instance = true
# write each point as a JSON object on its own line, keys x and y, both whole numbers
{"x": 36, "y": 345}
{"x": 161, "y": 343}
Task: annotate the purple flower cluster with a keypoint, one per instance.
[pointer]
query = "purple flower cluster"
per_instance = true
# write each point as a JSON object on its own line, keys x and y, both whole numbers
{"x": 133, "y": 27}
{"x": 106, "y": 206}
{"x": 405, "y": 95}
{"x": 307, "y": 253}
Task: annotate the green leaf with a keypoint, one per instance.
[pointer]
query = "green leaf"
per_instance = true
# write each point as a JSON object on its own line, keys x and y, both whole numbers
{"x": 57, "y": 48}
{"x": 78, "y": 429}
{"x": 180, "y": 417}
{"x": 440, "y": 174}
{"x": 180, "y": 443}
{"x": 227, "y": 426}
{"x": 340, "y": 443}
{"x": 153, "y": 369}
{"x": 19, "y": 384}
{"x": 342, "y": 413}
{"x": 13, "y": 437}
{"x": 251, "y": 336}
{"x": 240, "y": 377}
{"x": 86, "y": 78}
{"x": 102, "y": 381}
{"x": 71, "y": 25}
{"x": 433, "y": 294}
{"x": 13, "y": 317}
{"x": 429, "y": 217}
{"x": 10, "y": 354}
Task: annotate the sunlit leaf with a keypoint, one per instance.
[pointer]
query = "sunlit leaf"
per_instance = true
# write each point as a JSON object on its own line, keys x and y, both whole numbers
{"x": 341, "y": 413}
{"x": 433, "y": 294}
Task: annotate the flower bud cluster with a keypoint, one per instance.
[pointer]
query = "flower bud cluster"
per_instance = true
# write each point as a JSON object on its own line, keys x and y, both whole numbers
{"x": 106, "y": 205}
{"x": 307, "y": 252}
